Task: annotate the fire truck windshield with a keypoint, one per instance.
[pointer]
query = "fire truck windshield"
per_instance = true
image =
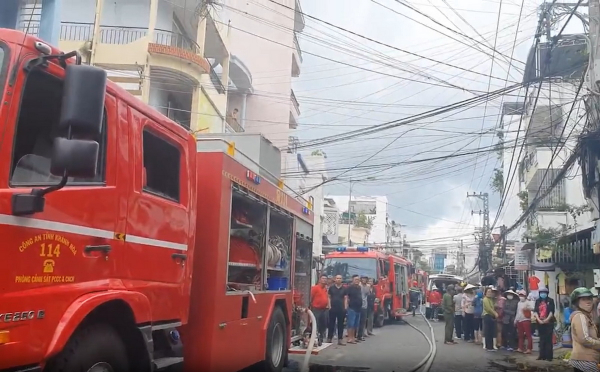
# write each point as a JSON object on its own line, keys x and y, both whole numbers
{"x": 349, "y": 266}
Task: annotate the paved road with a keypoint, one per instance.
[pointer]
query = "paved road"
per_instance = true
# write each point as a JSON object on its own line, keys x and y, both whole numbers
{"x": 398, "y": 347}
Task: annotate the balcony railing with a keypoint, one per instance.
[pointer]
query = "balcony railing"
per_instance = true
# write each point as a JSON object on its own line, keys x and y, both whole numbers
{"x": 575, "y": 255}
{"x": 76, "y": 31}
{"x": 119, "y": 35}
{"x": 176, "y": 40}
{"x": 234, "y": 124}
{"x": 216, "y": 80}
{"x": 297, "y": 45}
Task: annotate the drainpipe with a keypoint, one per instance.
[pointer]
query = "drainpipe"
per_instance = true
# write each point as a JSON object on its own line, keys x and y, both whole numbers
{"x": 244, "y": 97}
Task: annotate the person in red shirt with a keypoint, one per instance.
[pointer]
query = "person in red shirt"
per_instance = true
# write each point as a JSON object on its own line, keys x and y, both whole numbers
{"x": 435, "y": 299}
{"x": 534, "y": 286}
{"x": 319, "y": 304}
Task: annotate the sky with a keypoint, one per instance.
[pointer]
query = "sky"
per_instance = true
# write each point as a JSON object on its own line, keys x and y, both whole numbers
{"x": 417, "y": 63}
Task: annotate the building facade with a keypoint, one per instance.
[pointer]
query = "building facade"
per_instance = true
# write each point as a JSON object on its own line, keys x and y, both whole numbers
{"x": 172, "y": 55}
{"x": 375, "y": 231}
{"x": 265, "y": 57}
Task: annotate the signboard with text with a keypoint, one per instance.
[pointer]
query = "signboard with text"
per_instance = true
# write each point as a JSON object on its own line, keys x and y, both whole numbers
{"x": 521, "y": 257}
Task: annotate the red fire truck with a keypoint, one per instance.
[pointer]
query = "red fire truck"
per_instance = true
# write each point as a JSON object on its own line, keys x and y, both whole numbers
{"x": 390, "y": 273}
{"x": 130, "y": 244}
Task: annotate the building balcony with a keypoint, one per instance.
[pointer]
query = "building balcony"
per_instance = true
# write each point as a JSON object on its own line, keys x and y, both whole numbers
{"x": 296, "y": 63}
{"x": 299, "y": 21}
{"x": 297, "y": 52}
{"x": 234, "y": 124}
{"x": 294, "y": 111}
{"x": 572, "y": 253}
{"x": 537, "y": 160}
{"x": 174, "y": 103}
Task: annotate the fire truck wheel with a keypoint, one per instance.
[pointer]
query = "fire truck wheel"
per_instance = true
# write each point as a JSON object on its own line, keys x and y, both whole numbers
{"x": 276, "y": 353}
{"x": 97, "y": 348}
{"x": 379, "y": 319}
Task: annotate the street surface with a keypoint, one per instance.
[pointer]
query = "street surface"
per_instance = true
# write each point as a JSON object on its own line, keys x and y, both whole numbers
{"x": 398, "y": 348}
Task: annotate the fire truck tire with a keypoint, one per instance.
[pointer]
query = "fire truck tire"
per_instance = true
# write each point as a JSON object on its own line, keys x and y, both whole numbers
{"x": 379, "y": 319}
{"x": 97, "y": 348}
{"x": 276, "y": 353}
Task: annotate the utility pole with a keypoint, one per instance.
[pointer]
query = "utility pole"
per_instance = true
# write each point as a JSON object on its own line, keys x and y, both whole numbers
{"x": 485, "y": 241}
{"x": 503, "y": 235}
{"x": 349, "y": 219}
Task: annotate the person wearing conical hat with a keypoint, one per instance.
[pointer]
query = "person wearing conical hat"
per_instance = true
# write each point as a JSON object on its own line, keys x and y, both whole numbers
{"x": 469, "y": 313}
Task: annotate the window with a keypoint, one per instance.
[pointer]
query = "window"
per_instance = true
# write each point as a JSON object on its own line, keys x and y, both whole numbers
{"x": 386, "y": 268}
{"x": 3, "y": 56}
{"x": 162, "y": 162}
{"x": 346, "y": 267}
{"x": 36, "y": 129}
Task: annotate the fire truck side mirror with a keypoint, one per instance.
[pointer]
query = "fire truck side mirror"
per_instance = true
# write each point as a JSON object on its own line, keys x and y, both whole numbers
{"x": 81, "y": 117}
{"x": 83, "y": 100}
{"x": 74, "y": 157}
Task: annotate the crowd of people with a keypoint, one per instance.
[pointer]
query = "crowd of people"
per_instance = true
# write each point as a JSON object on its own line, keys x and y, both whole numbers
{"x": 497, "y": 320}
{"x": 337, "y": 307}
{"x": 508, "y": 320}
{"x": 482, "y": 315}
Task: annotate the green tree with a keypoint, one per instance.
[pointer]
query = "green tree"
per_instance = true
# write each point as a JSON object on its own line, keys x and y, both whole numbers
{"x": 498, "y": 181}
{"x": 363, "y": 221}
{"x": 524, "y": 200}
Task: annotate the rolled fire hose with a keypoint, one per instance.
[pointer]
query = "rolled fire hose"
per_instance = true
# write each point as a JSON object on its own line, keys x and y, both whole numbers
{"x": 311, "y": 343}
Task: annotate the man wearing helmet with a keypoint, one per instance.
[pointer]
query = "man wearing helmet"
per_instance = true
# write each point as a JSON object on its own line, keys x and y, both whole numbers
{"x": 586, "y": 345}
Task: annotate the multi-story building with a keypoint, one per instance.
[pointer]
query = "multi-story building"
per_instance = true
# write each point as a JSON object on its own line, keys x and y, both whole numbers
{"x": 551, "y": 133}
{"x": 265, "y": 56}
{"x": 374, "y": 209}
{"x": 559, "y": 231}
{"x": 171, "y": 54}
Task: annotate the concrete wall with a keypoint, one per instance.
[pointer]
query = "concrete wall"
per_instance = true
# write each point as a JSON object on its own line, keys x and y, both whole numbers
{"x": 125, "y": 13}
{"x": 512, "y": 209}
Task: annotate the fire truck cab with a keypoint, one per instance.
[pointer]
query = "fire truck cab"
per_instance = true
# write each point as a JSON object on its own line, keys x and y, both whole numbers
{"x": 390, "y": 274}
{"x": 128, "y": 243}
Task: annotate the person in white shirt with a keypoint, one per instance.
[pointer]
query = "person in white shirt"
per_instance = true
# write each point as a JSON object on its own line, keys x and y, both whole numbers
{"x": 458, "y": 312}
{"x": 523, "y": 323}
{"x": 469, "y": 310}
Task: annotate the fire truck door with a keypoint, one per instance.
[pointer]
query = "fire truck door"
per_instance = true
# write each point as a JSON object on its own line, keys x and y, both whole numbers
{"x": 158, "y": 215}
{"x": 72, "y": 239}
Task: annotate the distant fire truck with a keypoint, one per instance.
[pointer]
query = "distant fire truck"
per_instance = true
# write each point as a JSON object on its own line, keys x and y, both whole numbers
{"x": 391, "y": 274}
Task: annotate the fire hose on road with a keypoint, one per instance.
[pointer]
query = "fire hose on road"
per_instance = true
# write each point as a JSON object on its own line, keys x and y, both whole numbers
{"x": 430, "y": 357}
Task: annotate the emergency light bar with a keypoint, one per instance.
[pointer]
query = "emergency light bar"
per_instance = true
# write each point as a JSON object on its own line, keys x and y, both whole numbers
{"x": 352, "y": 249}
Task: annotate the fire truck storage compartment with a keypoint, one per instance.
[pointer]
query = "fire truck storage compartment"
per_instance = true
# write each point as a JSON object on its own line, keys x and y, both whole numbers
{"x": 302, "y": 276}
{"x": 279, "y": 249}
{"x": 248, "y": 229}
